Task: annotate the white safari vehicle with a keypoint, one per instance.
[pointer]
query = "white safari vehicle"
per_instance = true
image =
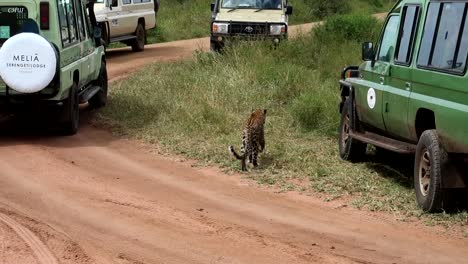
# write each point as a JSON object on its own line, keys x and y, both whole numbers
{"x": 126, "y": 21}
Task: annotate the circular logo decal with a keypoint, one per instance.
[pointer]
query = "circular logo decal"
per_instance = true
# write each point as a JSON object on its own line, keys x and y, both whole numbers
{"x": 371, "y": 98}
{"x": 27, "y": 63}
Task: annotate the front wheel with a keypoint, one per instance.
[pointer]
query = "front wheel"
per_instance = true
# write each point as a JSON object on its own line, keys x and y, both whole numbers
{"x": 138, "y": 44}
{"x": 350, "y": 148}
{"x": 430, "y": 161}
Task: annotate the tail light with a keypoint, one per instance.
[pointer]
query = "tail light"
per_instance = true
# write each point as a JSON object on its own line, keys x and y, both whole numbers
{"x": 44, "y": 15}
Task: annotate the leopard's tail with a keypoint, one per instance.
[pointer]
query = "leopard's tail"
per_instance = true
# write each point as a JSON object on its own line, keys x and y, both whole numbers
{"x": 234, "y": 153}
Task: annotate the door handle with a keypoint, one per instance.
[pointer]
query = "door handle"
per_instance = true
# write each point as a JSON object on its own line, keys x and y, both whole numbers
{"x": 408, "y": 86}
{"x": 382, "y": 80}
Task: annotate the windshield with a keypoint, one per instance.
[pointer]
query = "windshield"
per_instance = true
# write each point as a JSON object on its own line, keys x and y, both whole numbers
{"x": 252, "y": 4}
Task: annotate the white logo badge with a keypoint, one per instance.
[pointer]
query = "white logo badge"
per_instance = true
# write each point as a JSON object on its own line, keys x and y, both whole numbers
{"x": 371, "y": 98}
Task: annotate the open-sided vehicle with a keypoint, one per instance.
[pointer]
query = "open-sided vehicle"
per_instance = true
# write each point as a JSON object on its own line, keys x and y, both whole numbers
{"x": 51, "y": 57}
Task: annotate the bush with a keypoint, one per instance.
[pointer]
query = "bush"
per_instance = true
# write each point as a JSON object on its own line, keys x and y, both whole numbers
{"x": 349, "y": 27}
{"x": 323, "y": 8}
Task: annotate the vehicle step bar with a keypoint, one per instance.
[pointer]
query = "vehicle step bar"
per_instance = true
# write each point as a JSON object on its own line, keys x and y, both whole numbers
{"x": 89, "y": 93}
{"x": 385, "y": 142}
{"x": 123, "y": 38}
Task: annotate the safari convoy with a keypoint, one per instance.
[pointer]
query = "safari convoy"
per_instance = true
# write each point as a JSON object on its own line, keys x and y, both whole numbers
{"x": 408, "y": 96}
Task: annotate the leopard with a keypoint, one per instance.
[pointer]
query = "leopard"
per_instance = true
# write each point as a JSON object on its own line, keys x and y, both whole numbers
{"x": 253, "y": 139}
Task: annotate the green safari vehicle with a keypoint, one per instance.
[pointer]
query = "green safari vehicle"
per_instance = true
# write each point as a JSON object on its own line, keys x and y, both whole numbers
{"x": 51, "y": 57}
{"x": 411, "y": 96}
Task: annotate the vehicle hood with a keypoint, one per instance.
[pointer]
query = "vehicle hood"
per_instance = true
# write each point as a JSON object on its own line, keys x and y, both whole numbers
{"x": 249, "y": 15}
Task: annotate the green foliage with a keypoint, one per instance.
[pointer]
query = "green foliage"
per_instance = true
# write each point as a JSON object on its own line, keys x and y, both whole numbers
{"x": 185, "y": 19}
{"x": 348, "y": 28}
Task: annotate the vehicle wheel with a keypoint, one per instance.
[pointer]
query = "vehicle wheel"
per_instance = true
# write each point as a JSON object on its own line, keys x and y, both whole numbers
{"x": 100, "y": 99}
{"x": 139, "y": 43}
{"x": 72, "y": 112}
{"x": 350, "y": 148}
{"x": 215, "y": 46}
{"x": 430, "y": 161}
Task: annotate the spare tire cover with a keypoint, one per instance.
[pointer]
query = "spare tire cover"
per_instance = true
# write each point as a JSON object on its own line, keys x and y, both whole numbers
{"x": 28, "y": 63}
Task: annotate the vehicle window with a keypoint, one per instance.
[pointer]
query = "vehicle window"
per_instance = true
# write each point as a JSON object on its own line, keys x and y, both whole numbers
{"x": 387, "y": 46}
{"x": 80, "y": 19}
{"x": 443, "y": 47}
{"x": 11, "y": 23}
{"x": 67, "y": 22}
{"x": 447, "y": 35}
{"x": 141, "y": 1}
{"x": 252, "y": 4}
{"x": 462, "y": 56}
{"x": 407, "y": 31}
{"x": 126, "y": 2}
{"x": 428, "y": 34}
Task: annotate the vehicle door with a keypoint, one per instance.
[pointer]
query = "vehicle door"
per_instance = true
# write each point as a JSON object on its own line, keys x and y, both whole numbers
{"x": 114, "y": 14}
{"x": 369, "y": 94}
{"x": 398, "y": 83}
{"x": 129, "y": 15}
{"x": 86, "y": 45}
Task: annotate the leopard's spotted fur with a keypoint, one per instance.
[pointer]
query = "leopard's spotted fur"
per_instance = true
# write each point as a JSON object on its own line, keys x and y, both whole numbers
{"x": 253, "y": 139}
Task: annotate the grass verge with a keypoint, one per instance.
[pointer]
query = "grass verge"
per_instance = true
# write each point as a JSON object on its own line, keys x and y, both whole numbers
{"x": 197, "y": 108}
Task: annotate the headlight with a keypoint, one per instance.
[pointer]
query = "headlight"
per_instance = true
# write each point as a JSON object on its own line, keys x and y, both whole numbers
{"x": 220, "y": 28}
{"x": 277, "y": 29}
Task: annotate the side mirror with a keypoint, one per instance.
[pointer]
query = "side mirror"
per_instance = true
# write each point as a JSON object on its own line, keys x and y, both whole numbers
{"x": 289, "y": 10}
{"x": 368, "y": 51}
{"x": 212, "y": 7}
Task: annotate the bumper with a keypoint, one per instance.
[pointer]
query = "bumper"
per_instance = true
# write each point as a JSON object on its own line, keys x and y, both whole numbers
{"x": 227, "y": 38}
{"x": 14, "y": 103}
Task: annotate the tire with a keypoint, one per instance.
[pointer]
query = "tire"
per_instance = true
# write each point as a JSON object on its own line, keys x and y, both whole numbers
{"x": 215, "y": 47}
{"x": 430, "y": 161}
{"x": 72, "y": 112}
{"x": 138, "y": 44}
{"x": 100, "y": 99}
{"x": 350, "y": 148}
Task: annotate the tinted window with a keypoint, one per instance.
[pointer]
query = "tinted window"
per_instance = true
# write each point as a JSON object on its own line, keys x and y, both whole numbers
{"x": 11, "y": 23}
{"x": 387, "y": 47}
{"x": 447, "y": 35}
{"x": 407, "y": 31}
{"x": 126, "y": 2}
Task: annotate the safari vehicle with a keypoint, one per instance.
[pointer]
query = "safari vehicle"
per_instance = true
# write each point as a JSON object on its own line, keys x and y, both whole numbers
{"x": 410, "y": 96}
{"x": 249, "y": 19}
{"x": 126, "y": 21}
{"x": 51, "y": 57}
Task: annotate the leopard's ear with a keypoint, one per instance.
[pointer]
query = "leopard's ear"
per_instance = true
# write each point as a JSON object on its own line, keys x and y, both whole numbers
{"x": 264, "y": 111}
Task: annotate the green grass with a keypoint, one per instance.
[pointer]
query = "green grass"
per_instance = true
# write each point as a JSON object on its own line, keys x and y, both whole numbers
{"x": 186, "y": 19}
{"x": 197, "y": 108}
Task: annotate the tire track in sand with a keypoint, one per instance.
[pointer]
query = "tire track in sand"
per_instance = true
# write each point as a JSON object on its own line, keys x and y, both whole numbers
{"x": 43, "y": 254}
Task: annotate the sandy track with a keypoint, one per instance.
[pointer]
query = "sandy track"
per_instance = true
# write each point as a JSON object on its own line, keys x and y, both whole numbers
{"x": 94, "y": 198}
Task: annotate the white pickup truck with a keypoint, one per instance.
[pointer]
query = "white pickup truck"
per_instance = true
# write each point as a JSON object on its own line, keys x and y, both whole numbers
{"x": 126, "y": 21}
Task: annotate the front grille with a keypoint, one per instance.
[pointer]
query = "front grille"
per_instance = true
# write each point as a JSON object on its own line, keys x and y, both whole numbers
{"x": 249, "y": 28}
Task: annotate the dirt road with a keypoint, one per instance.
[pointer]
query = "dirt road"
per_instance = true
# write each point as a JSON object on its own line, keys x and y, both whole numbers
{"x": 95, "y": 198}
